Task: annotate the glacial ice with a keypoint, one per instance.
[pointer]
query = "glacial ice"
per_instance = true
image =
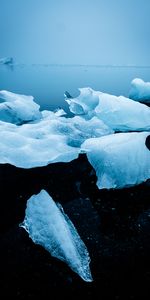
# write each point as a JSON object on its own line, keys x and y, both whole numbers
{"x": 140, "y": 90}
{"x": 118, "y": 113}
{"x": 120, "y": 160}
{"x": 84, "y": 103}
{"x": 82, "y": 129}
{"x": 18, "y": 109}
{"x": 31, "y": 146}
{"x": 77, "y": 129}
{"x": 50, "y": 137}
{"x": 50, "y": 227}
{"x": 53, "y": 138}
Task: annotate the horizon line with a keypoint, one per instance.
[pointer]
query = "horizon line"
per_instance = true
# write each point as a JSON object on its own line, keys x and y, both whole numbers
{"x": 77, "y": 65}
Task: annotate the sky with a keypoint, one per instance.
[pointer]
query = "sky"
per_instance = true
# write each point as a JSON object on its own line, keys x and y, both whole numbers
{"x": 76, "y": 31}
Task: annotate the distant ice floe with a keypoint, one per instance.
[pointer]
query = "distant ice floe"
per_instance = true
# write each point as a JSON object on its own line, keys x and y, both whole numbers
{"x": 6, "y": 61}
{"x": 120, "y": 160}
{"x": 140, "y": 90}
{"x": 18, "y": 109}
{"x": 119, "y": 113}
{"x": 50, "y": 227}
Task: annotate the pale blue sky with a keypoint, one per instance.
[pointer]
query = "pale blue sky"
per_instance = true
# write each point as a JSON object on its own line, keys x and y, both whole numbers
{"x": 76, "y": 31}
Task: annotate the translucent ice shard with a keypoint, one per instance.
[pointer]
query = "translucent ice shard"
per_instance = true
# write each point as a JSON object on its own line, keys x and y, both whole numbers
{"x": 50, "y": 227}
{"x": 85, "y": 102}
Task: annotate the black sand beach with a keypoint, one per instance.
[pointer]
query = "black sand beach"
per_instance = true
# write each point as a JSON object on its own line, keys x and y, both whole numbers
{"x": 114, "y": 224}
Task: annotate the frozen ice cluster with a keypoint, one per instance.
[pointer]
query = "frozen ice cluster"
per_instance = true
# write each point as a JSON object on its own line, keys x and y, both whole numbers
{"x": 119, "y": 113}
{"x": 110, "y": 130}
{"x": 51, "y": 138}
{"x": 140, "y": 90}
{"x": 18, "y": 109}
{"x": 50, "y": 227}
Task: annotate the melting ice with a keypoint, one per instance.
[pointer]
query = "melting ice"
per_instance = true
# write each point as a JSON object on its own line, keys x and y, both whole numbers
{"x": 17, "y": 108}
{"x": 49, "y": 137}
{"x": 120, "y": 160}
{"x": 119, "y": 113}
{"x": 50, "y": 227}
{"x": 140, "y": 90}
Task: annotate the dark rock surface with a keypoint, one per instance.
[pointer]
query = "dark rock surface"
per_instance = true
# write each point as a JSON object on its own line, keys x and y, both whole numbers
{"x": 115, "y": 226}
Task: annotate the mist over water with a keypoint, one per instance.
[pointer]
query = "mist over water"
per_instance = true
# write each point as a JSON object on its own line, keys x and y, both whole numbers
{"x": 76, "y": 32}
{"x": 47, "y": 83}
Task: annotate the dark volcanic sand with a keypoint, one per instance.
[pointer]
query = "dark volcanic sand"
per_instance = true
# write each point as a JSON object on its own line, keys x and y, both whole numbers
{"x": 115, "y": 226}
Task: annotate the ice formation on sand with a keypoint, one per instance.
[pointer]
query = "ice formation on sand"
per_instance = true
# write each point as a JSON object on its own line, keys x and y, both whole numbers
{"x": 140, "y": 90}
{"x": 119, "y": 113}
{"x": 50, "y": 227}
{"x": 120, "y": 160}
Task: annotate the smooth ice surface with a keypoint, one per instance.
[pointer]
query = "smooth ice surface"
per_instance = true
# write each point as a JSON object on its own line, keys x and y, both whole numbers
{"x": 53, "y": 138}
{"x": 120, "y": 160}
{"x": 140, "y": 90}
{"x": 50, "y": 227}
{"x": 17, "y": 108}
{"x": 119, "y": 113}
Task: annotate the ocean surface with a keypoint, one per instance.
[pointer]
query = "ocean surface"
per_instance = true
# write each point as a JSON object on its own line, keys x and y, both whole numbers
{"x": 47, "y": 83}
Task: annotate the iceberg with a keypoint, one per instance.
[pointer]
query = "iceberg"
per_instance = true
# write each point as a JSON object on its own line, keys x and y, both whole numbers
{"x": 6, "y": 61}
{"x": 50, "y": 227}
{"x": 120, "y": 160}
{"x": 18, "y": 109}
{"x": 140, "y": 90}
{"x": 118, "y": 113}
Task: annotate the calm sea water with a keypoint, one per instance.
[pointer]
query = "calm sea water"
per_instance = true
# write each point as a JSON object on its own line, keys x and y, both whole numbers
{"x": 47, "y": 83}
